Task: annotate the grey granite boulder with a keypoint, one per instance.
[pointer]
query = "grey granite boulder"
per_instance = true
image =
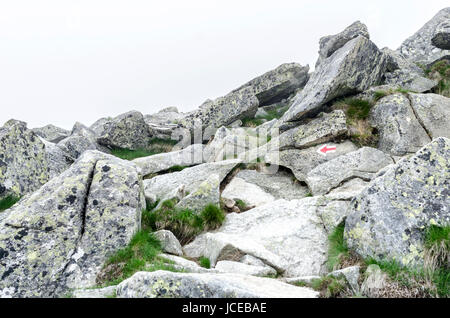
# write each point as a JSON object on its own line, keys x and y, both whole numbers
{"x": 191, "y": 178}
{"x": 23, "y": 161}
{"x": 388, "y": 220}
{"x": 331, "y": 43}
{"x": 249, "y": 193}
{"x": 244, "y": 269}
{"x": 419, "y": 48}
{"x": 362, "y": 164}
{"x": 190, "y": 156}
{"x": 81, "y": 139}
{"x": 399, "y": 130}
{"x": 433, "y": 113}
{"x": 320, "y": 130}
{"x": 286, "y": 235}
{"x": 410, "y": 81}
{"x": 57, "y": 160}
{"x": 169, "y": 243}
{"x": 441, "y": 38}
{"x": 126, "y": 131}
{"x": 51, "y": 133}
{"x": 208, "y": 192}
{"x": 61, "y": 234}
{"x": 301, "y": 162}
{"x": 358, "y": 65}
{"x": 351, "y": 275}
{"x": 163, "y": 284}
{"x": 279, "y": 83}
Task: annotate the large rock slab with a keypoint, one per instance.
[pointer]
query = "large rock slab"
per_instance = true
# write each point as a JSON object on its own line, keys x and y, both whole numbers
{"x": 388, "y": 220}
{"x": 245, "y": 269}
{"x": 433, "y": 113}
{"x": 81, "y": 139}
{"x": 126, "y": 131}
{"x": 163, "y": 284}
{"x": 331, "y": 43}
{"x": 400, "y": 132}
{"x": 51, "y": 133}
{"x": 61, "y": 234}
{"x": 286, "y": 235}
{"x": 190, "y": 156}
{"x": 278, "y": 84}
{"x": 441, "y": 38}
{"x": 158, "y": 187}
{"x": 301, "y": 162}
{"x": 353, "y": 68}
{"x": 251, "y": 194}
{"x": 362, "y": 164}
{"x": 320, "y": 130}
{"x": 419, "y": 48}
{"x": 280, "y": 185}
{"x": 23, "y": 162}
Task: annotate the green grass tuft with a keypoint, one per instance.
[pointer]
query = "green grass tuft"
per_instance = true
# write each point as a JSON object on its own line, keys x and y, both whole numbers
{"x": 8, "y": 202}
{"x": 155, "y": 146}
{"x": 213, "y": 216}
{"x": 357, "y": 108}
{"x": 337, "y": 248}
{"x": 205, "y": 262}
{"x": 271, "y": 115}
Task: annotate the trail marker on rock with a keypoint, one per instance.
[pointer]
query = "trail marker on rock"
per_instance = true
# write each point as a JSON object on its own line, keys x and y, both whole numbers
{"x": 324, "y": 150}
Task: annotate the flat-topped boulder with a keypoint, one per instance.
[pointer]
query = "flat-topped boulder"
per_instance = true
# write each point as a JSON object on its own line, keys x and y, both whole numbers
{"x": 51, "y": 133}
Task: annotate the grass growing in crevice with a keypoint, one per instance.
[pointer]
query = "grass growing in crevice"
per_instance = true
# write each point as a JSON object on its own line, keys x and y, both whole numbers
{"x": 8, "y": 202}
{"x": 331, "y": 287}
{"x": 141, "y": 254}
{"x": 271, "y": 115}
{"x": 155, "y": 146}
{"x": 204, "y": 262}
{"x": 440, "y": 71}
{"x": 339, "y": 256}
{"x": 185, "y": 224}
{"x": 357, "y": 112}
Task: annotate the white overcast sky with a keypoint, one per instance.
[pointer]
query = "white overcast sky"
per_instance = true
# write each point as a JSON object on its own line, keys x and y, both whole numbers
{"x": 66, "y": 61}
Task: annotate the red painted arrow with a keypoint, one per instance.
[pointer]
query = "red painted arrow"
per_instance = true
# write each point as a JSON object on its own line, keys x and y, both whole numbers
{"x": 326, "y": 149}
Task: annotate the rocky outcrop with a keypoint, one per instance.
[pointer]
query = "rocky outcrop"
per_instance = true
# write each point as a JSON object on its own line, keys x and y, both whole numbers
{"x": 418, "y": 48}
{"x": 169, "y": 243}
{"x": 208, "y": 192}
{"x": 286, "y": 235}
{"x": 23, "y": 161}
{"x": 251, "y": 194}
{"x": 387, "y": 221}
{"x": 320, "y": 130}
{"x": 51, "y": 133}
{"x": 158, "y": 187}
{"x": 441, "y": 38}
{"x": 57, "y": 160}
{"x": 301, "y": 162}
{"x": 190, "y": 156}
{"x": 62, "y": 233}
{"x": 400, "y": 132}
{"x": 362, "y": 164}
{"x": 353, "y": 68}
{"x": 181, "y": 285}
{"x": 81, "y": 139}
{"x": 278, "y": 84}
{"x": 331, "y": 43}
{"x": 126, "y": 131}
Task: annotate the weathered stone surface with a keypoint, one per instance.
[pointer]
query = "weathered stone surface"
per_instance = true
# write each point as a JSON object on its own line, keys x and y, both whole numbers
{"x": 208, "y": 192}
{"x": 363, "y": 164}
{"x": 190, "y": 156}
{"x": 331, "y": 43}
{"x": 223, "y": 111}
{"x": 158, "y": 187}
{"x": 279, "y": 83}
{"x": 51, "y": 133}
{"x": 80, "y": 140}
{"x": 286, "y": 235}
{"x": 433, "y": 113}
{"x": 301, "y": 162}
{"x": 374, "y": 282}
{"x": 297, "y": 280}
{"x": 351, "y": 275}
{"x": 350, "y": 70}
{"x": 61, "y": 234}
{"x": 57, "y": 160}
{"x": 281, "y": 185}
{"x": 126, "y": 131}
{"x": 388, "y": 220}
{"x": 418, "y": 48}
{"x": 107, "y": 292}
{"x": 331, "y": 213}
{"x": 408, "y": 80}
{"x": 23, "y": 162}
{"x": 348, "y": 190}
{"x": 182, "y": 285}
{"x": 244, "y": 269}
{"x": 399, "y": 130}
{"x": 441, "y": 38}
{"x": 185, "y": 265}
{"x": 320, "y": 130}
{"x": 169, "y": 243}
{"x": 251, "y": 194}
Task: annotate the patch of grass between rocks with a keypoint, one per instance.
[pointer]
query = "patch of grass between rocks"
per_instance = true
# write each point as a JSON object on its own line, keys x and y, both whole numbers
{"x": 8, "y": 202}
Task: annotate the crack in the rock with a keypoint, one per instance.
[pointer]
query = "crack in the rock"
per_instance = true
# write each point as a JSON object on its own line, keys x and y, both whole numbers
{"x": 417, "y": 117}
